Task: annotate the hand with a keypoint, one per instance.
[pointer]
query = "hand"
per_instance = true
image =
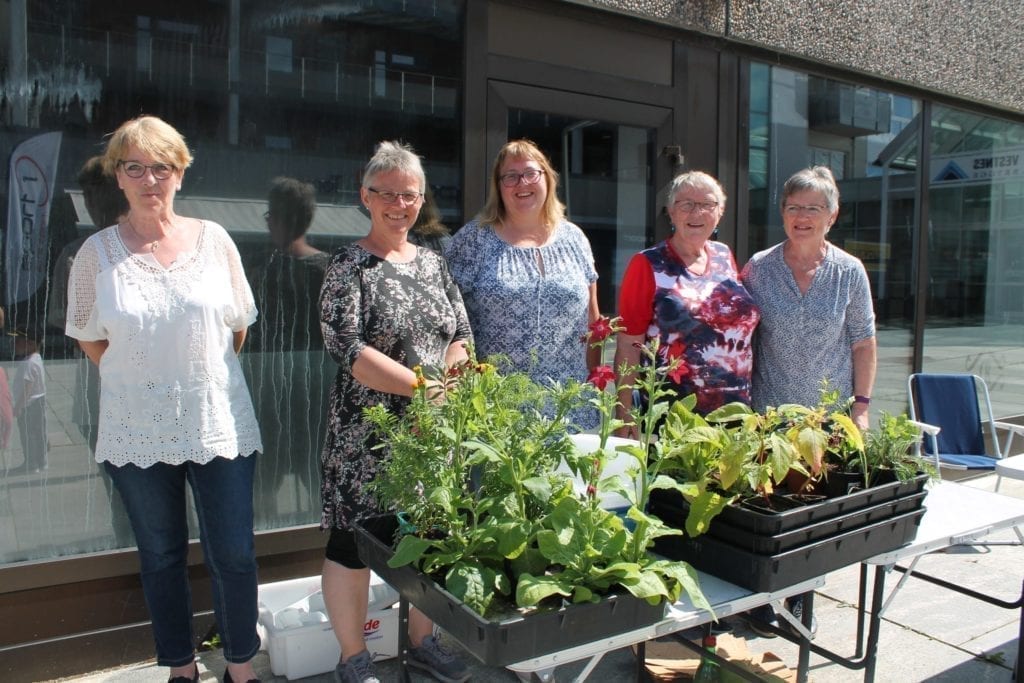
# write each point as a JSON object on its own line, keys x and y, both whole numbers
{"x": 859, "y": 415}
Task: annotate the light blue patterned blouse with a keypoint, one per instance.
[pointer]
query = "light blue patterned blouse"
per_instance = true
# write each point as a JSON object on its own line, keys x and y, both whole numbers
{"x": 535, "y": 316}
{"x": 804, "y": 338}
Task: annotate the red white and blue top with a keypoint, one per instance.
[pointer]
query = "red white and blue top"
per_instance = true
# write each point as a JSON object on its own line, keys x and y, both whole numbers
{"x": 705, "y": 320}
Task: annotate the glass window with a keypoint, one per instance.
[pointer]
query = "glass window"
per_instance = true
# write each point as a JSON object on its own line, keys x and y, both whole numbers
{"x": 975, "y": 319}
{"x": 868, "y": 138}
{"x": 300, "y": 91}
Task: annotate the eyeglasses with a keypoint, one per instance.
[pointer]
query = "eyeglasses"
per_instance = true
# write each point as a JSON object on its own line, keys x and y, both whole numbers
{"x": 529, "y": 177}
{"x": 686, "y": 206}
{"x": 392, "y": 197}
{"x": 811, "y": 210}
{"x": 134, "y": 169}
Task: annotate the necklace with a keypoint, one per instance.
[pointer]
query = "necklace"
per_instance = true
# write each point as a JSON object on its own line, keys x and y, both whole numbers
{"x": 152, "y": 244}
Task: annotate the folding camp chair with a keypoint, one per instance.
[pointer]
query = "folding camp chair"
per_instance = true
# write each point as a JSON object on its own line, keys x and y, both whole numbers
{"x": 948, "y": 410}
{"x": 953, "y": 402}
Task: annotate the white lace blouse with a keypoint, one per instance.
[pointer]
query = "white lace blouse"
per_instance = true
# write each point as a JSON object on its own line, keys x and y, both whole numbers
{"x": 171, "y": 385}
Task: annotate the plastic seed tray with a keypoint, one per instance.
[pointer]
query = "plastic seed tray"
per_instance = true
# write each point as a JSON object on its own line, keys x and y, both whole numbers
{"x": 772, "y": 524}
{"x": 766, "y": 573}
{"x": 510, "y": 639}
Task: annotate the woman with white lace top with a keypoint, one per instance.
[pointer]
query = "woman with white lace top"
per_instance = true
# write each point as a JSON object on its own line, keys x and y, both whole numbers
{"x": 161, "y": 304}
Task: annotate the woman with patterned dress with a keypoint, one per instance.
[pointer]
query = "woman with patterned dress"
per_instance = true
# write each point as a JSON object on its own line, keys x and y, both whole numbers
{"x": 527, "y": 274}
{"x": 386, "y": 306}
{"x": 160, "y": 303}
{"x": 818, "y": 320}
{"x": 685, "y": 292}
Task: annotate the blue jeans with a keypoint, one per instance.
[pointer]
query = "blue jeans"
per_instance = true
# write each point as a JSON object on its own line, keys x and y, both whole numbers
{"x": 155, "y": 500}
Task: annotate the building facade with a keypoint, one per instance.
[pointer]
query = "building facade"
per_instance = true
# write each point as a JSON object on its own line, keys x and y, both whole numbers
{"x": 918, "y": 108}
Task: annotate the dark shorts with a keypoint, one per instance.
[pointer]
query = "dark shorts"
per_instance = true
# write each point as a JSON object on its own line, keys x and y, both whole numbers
{"x": 341, "y": 546}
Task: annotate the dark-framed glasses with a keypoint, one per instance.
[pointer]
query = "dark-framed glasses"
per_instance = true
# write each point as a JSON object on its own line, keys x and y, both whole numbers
{"x": 133, "y": 169}
{"x": 687, "y": 206}
{"x": 810, "y": 210}
{"x": 389, "y": 197}
{"x": 529, "y": 177}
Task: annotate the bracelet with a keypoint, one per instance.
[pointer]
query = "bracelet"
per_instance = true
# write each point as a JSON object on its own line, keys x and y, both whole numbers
{"x": 866, "y": 400}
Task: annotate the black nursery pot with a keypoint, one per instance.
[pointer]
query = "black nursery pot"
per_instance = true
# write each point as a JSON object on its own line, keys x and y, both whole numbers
{"x": 514, "y": 638}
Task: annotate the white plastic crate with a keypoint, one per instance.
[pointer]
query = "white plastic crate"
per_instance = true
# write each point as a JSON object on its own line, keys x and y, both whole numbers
{"x": 297, "y": 634}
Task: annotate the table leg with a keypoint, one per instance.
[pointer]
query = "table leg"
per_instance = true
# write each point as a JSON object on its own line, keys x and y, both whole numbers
{"x": 403, "y": 640}
{"x": 806, "y": 618}
{"x": 862, "y": 594}
{"x": 877, "y": 591}
{"x": 641, "y": 661}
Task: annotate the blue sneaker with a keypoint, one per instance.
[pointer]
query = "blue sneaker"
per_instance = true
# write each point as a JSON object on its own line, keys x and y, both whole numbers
{"x": 437, "y": 660}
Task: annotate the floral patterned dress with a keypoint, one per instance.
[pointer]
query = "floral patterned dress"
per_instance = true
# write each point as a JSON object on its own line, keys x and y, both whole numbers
{"x": 705, "y": 320}
{"x": 411, "y": 312}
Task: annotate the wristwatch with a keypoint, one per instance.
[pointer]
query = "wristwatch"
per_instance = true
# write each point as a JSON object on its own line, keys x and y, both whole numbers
{"x": 866, "y": 400}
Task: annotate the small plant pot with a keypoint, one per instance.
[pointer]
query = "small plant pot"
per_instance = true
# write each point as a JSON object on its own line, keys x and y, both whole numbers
{"x": 842, "y": 483}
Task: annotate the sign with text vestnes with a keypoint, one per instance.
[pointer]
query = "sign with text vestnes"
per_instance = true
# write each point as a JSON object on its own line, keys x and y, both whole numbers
{"x": 32, "y": 173}
{"x": 981, "y": 166}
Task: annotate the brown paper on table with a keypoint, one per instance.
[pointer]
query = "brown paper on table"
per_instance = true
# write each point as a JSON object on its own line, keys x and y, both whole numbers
{"x": 668, "y": 660}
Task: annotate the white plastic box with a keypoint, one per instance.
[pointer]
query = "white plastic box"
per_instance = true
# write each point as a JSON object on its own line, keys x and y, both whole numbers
{"x": 297, "y": 634}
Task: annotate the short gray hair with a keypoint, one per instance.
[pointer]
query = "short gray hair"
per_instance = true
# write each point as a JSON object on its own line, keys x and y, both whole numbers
{"x": 698, "y": 180}
{"x": 816, "y": 179}
{"x": 392, "y": 155}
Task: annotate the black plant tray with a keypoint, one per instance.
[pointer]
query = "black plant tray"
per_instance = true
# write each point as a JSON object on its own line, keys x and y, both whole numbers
{"x": 778, "y": 543}
{"x": 764, "y": 573}
{"x": 514, "y": 638}
{"x": 772, "y": 524}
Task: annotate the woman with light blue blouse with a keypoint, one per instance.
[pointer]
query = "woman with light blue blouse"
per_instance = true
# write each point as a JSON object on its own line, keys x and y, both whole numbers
{"x": 527, "y": 274}
{"x": 817, "y": 320}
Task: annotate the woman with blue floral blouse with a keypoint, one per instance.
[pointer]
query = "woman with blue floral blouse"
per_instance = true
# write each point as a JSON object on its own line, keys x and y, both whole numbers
{"x": 527, "y": 274}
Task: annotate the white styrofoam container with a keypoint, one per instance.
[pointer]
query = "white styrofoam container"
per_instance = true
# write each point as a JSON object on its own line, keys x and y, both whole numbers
{"x": 298, "y": 636}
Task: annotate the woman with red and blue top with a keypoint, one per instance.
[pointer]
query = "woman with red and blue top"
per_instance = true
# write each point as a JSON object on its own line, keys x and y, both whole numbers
{"x": 685, "y": 292}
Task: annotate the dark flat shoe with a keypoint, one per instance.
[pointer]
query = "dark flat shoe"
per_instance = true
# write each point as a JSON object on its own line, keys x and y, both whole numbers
{"x": 185, "y": 679}
{"x": 228, "y": 679}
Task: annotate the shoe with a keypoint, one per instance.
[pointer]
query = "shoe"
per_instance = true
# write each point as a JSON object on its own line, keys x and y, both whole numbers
{"x": 356, "y": 669}
{"x": 228, "y": 679}
{"x": 796, "y": 608}
{"x": 719, "y": 627}
{"x": 759, "y": 616}
{"x": 185, "y": 679}
{"x": 437, "y": 660}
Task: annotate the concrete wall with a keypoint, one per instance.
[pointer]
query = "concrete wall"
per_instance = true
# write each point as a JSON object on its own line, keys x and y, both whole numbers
{"x": 967, "y": 49}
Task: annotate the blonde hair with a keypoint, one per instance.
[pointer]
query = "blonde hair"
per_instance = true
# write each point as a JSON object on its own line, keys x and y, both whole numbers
{"x": 552, "y": 211}
{"x": 151, "y": 136}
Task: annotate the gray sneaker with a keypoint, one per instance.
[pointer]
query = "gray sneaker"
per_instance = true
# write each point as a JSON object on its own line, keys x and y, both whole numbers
{"x": 437, "y": 660}
{"x": 356, "y": 669}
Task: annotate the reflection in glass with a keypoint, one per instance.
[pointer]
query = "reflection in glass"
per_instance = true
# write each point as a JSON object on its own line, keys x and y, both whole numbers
{"x": 297, "y": 90}
{"x": 975, "y": 317}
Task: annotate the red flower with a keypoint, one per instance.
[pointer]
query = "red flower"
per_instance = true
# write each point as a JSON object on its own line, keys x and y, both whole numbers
{"x": 601, "y": 376}
{"x": 599, "y": 330}
{"x": 679, "y": 372}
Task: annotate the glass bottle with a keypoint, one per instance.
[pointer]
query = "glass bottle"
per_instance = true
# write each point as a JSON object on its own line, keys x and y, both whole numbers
{"x": 708, "y": 671}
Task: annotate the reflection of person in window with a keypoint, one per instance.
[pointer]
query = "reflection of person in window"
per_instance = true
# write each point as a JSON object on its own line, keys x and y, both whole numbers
{"x": 30, "y": 400}
{"x": 106, "y": 205}
{"x": 285, "y": 363}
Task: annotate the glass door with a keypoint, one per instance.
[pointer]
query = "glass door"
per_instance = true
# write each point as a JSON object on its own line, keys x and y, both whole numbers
{"x": 607, "y": 155}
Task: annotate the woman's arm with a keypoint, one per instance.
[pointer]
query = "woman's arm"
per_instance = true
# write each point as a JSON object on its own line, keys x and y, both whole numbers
{"x": 375, "y": 370}
{"x": 456, "y": 353}
{"x": 865, "y": 360}
{"x": 93, "y": 350}
{"x": 593, "y": 313}
{"x": 239, "y": 340}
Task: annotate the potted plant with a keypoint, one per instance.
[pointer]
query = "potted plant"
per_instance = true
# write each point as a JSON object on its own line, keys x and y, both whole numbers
{"x": 487, "y": 516}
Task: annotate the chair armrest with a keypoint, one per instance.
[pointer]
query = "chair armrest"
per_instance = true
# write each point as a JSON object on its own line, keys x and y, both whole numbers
{"x": 930, "y": 430}
{"x": 1012, "y": 430}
